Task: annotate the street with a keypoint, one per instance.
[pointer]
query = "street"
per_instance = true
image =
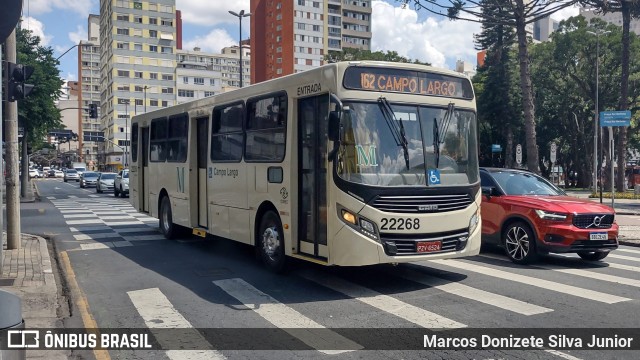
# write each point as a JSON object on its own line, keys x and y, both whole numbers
{"x": 129, "y": 276}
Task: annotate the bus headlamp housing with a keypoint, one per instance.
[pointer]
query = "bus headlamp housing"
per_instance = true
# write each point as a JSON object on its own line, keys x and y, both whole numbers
{"x": 474, "y": 221}
{"x": 358, "y": 223}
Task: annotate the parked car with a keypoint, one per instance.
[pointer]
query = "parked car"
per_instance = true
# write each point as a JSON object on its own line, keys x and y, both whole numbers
{"x": 88, "y": 178}
{"x": 121, "y": 183}
{"x": 105, "y": 182}
{"x": 59, "y": 173}
{"x": 51, "y": 173}
{"x": 33, "y": 173}
{"x": 71, "y": 174}
{"x": 527, "y": 216}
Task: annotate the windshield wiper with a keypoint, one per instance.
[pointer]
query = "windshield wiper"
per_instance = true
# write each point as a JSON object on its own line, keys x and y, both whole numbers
{"x": 441, "y": 128}
{"x": 396, "y": 127}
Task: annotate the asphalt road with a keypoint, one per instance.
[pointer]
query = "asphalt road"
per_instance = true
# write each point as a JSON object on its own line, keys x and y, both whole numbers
{"x": 131, "y": 277}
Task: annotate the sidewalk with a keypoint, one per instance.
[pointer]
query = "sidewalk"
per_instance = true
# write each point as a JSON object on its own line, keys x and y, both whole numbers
{"x": 27, "y": 273}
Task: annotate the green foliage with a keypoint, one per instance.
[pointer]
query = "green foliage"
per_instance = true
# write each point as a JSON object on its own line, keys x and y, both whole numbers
{"x": 38, "y": 113}
{"x": 351, "y": 54}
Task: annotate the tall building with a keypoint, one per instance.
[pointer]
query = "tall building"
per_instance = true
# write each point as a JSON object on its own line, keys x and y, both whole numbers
{"x": 137, "y": 67}
{"x": 89, "y": 90}
{"x": 614, "y": 18}
{"x": 293, "y": 36}
{"x": 200, "y": 74}
{"x": 543, "y": 28}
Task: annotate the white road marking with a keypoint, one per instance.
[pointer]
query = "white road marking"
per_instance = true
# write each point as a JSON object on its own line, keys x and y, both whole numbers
{"x": 158, "y": 313}
{"x": 385, "y": 303}
{"x": 87, "y": 228}
{"x": 82, "y": 237}
{"x": 116, "y": 223}
{"x": 562, "y": 355}
{"x": 622, "y": 257}
{"x": 95, "y": 196}
{"x": 529, "y": 280}
{"x": 94, "y": 246}
{"x": 285, "y": 317}
{"x": 51, "y": 197}
{"x": 500, "y": 301}
{"x": 79, "y": 222}
{"x": 83, "y": 215}
{"x": 123, "y": 217}
{"x": 629, "y": 250}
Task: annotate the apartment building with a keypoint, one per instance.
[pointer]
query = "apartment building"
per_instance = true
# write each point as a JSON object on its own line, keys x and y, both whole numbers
{"x": 137, "y": 67}
{"x": 200, "y": 74}
{"x": 89, "y": 90}
{"x": 614, "y": 18}
{"x": 294, "y": 36}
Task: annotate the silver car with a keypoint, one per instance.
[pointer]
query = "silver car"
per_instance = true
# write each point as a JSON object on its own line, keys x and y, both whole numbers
{"x": 105, "y": 182}
{"x": 71, "y": 174}
{"x": 88, "y": 178}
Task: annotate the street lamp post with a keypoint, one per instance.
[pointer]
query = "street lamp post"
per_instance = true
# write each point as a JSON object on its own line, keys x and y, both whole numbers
{"x": 597, "y": 114}
{"x": 126, "y": 133}
{"x": 145, "y": 98}
{"x": 240, "y": 16}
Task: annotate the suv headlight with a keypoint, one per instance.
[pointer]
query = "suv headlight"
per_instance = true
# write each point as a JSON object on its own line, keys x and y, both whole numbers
{"x": 548, "y": 215}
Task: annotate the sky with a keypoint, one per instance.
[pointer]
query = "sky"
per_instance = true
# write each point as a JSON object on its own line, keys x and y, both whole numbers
{"x": 208, "y": 25}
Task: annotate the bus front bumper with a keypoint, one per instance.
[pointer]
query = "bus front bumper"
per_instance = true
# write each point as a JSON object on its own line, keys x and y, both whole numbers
{"x": 351, "y": 248}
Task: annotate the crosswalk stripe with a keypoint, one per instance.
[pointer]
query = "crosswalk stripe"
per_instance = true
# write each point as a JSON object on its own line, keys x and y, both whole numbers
{"x": 624, "y": 267}
{"x": 285, "y": 317}
{"x": 79, "y": 222}
{"x": 121, "y": 217}
{"x": 75, "y": 216}
{"x": 529, "y": 280}
{"x": 96, "y": 236}
{"x": 629, "y": 251}
{"x": 88, "y": 228}
{"x": 383, "y": 302}
{"x": 598, "y": 276}
{"x": 158, "y": 313}
{"x": 74, "y": 211}
{"x": 51, "y": 197}
{"x": 144, "y": 237}
{"x": 500, "y": 301}
{"x": 116, "y": 223}
{"x": 94, "y": 196}
{"x": 622, "y": 257}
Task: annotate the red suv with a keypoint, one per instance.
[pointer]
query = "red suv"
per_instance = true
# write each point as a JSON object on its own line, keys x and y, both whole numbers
{"x": 527, "y": 216}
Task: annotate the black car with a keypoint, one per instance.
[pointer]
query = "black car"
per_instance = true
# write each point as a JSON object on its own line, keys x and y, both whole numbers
{"x": 51, "y": 173}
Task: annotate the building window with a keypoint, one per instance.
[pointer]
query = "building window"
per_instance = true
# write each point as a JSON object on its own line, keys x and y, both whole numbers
{"x": 167, "y": 90}
{"x": 122, "y": 17}
{"x": 153, "y": 33}
{"x": 121, "y": 31}
{"x": 153, "y": 76}
{"x": 167, "y": 50}
{"x": 137, "y": 19}
{"x": 158, "y": 140}
{"x": 138, "y": 88}
{"x": 137, "y": 32}
{"x": 123, "y": 87}
{"x": 137, "y": 74}
{"x": 165, "y": 103}
{"x": 166, "y": 22}
{"x": 167, "y": 77}
{"x": 185, "y": 80}
{"x": 209, "y": 93}
{"x": 137, "y": 47}
{"x": 139, "y": 102}
{"x": 212, "y": 82}
{"x": 153, "y": 102}
{"x": 122, "y": 3}
{"x": 123, "y": 73}
{"x": 153, "y": 21}
{"x": 198, "y": 81}
{"x": 137, "y": 5}
{"x": 186, "y": 93}
{"x": 124, "y": 46}
{"x": 153, "y": 48}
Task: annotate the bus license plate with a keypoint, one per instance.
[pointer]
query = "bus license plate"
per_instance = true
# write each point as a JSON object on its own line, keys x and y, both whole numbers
{"x": 428, "y": 246}
{"x": 598, "y": 236}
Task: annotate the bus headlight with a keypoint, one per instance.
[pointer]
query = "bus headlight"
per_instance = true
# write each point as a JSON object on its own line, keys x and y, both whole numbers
{"x": 358, "y": 223}
{"x": 473, "y": 222}
{"x": 367, "y": 225}
{"x": 348, "y": 217}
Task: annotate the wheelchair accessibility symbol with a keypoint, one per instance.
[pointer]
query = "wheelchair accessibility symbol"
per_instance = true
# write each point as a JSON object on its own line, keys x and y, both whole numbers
{"x": 434, "y": 176}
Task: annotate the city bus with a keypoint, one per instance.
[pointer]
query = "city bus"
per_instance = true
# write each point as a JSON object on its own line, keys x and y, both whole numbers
{"x": 349, "y": 164}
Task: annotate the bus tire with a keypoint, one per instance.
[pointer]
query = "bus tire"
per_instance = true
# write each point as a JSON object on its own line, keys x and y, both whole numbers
{"x": 167, "y": 227}
{"x": 270, "y": 242}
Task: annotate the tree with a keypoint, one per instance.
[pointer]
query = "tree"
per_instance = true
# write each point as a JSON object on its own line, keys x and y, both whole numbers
{"x": 517, "y": 14}
{"x": 628, "y": 9}
{"x": 352, "y": 54}
{"x": 38, "y": 112}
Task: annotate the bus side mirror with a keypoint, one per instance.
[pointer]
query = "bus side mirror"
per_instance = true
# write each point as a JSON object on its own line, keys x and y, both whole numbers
{"x": 334, "y": 126}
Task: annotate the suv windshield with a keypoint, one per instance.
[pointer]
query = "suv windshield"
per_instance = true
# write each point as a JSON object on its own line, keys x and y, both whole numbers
{"x": 371, "y": 154}
{"x": 90, "y": 174}
{"x": 71, "y": 171}
{"x": 107, "y": 176}
{"x": 519, "y": 183}
{"x": 125, "y": 175}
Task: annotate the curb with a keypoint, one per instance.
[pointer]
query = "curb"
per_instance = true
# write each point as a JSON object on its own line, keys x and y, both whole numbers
{"x": 36, "y": 191}
{"x": 635, "y": 243}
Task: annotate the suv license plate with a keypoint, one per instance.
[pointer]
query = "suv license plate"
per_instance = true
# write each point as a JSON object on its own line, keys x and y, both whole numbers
{"x": 598, "y": 236}
{"x": 428, "y": 246}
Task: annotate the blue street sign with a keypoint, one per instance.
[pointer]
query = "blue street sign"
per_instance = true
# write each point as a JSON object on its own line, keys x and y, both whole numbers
{"x": 615, "y": 118}
{"x": 434, "y": 176}
{"x": 495, "y": 148}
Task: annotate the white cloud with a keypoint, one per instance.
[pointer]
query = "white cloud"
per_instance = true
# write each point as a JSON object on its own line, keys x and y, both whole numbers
{"x": 37, "y": 28}
{"x": 439, "y": 41}
{"x": 78, "y": 35}
{"x": 70, "y": 77}
{"x": 37, "y": 7}
{"x": 566, "y": 13}
{"x": 212, "y": 12}
{"x": 213, "y": 42}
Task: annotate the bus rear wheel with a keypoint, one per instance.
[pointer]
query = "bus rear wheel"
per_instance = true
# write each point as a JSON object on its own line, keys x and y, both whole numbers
{"x": 166, "y": 219}
{"x": 270, "y": 242}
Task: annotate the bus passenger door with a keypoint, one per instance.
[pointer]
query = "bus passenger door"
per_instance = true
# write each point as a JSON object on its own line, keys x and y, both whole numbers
{"x": 144, "y": 173}
{"x": 202, "y": 146}
{"x": 313, "y": 115}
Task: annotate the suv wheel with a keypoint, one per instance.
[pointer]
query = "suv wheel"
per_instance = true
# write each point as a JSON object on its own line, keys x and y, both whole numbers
{"x": 519, "y": 243}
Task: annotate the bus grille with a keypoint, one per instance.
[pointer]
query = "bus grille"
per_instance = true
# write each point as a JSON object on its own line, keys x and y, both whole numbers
{"x": 422, "y": 203}
{"x": 593, "y": 221}
{"x": 405, "y": 244}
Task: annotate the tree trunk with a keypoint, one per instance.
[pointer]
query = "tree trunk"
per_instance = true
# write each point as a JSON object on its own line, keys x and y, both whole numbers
{"x": 621, "y": 146}
{"x": 527, "y": 91}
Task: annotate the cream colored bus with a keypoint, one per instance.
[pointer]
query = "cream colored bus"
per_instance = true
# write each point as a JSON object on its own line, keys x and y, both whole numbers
{"x": 352, "y": 163}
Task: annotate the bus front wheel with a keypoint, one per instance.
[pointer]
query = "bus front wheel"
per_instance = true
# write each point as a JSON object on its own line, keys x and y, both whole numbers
{"x": 166, "y": 219}
{"x": 271, "y": 242}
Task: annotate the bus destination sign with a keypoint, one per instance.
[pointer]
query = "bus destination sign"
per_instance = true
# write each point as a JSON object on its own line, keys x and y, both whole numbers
{"x": 407, "y": 81}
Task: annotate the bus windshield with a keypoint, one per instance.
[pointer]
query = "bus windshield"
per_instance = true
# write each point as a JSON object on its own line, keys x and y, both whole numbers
{"x": 431, "y": 138}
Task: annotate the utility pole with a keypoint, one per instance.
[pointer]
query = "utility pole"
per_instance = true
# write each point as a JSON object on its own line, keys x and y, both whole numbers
{"x": 1, "y": 169}
{"x": 24, "y": 179}
{"x": 11, "y": 137}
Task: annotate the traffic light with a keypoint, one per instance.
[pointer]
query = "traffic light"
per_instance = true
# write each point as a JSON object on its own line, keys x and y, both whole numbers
{"x": 93, "y": 111}
{"x": 17, "y": 75}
